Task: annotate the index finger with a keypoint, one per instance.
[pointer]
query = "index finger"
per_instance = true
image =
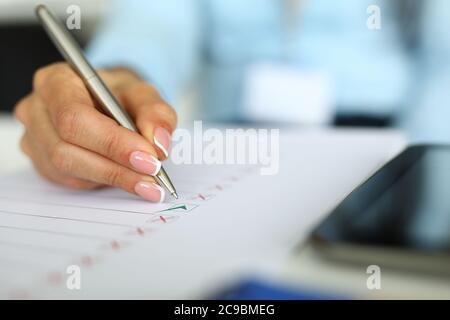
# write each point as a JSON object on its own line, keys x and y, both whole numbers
{"x": 155, "y": 119}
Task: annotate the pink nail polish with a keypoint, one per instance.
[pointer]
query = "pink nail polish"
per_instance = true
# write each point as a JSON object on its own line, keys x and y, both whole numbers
{"x": 162, "y": 140}
{"x": 150, "y": 191}
{"x": 145, "y": 163}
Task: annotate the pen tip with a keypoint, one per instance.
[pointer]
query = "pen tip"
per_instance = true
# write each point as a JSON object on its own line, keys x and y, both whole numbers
{"x": 175, "y": 195}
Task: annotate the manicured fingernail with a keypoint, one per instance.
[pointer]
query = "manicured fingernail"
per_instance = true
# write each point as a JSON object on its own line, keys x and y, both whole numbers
{"x": 145, "y": 163}
{"x": 162, "y": 140}
{"x": 150, "y": 191}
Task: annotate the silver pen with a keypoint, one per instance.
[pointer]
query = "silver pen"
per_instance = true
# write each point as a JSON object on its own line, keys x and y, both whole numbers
{"x": 73, "y": 54}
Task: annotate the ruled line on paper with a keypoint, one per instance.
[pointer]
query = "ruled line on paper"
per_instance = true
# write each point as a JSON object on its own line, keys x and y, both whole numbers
{"x": 19, "y": 245}
{"x": 75, "y": 235}
{"x": 57, "y": 227}
{"x": 67, "y": 219}
{"x": 78, "y": 206}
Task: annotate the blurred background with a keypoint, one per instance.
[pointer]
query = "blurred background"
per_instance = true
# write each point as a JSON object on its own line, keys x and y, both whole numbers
{"x": 302, "y": 62}
{"x": 25, "y": 47}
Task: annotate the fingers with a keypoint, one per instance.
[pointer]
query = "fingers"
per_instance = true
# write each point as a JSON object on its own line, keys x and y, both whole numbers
{"x": 87, "y": 165}
{"x": 45, "y": 168}
{"x": 78, "y": 168}
{"x": 73, "y": 166}
{"x": 87, "y": 128}
{"x": 78, "y": 122}
{"x": 81, "y": 163}
{"x": 154, "y": 118}
{"x": 72, "y": 143}
{"x": 35, "y": 144}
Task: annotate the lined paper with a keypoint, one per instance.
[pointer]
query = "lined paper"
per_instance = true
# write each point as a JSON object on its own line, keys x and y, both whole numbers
{"x": 44, "y": 228}
{"x": 229, "y": 222}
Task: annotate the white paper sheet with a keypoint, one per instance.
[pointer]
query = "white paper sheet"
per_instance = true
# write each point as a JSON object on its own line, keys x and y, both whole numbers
{"x": 229, "y": 221}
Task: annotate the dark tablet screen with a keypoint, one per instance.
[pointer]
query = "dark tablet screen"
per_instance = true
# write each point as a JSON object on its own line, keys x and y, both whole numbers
{"x": 405, "y": 204}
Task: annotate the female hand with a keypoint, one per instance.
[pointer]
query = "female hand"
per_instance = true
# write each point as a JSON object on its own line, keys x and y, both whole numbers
{"x": 71, "y": 143}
